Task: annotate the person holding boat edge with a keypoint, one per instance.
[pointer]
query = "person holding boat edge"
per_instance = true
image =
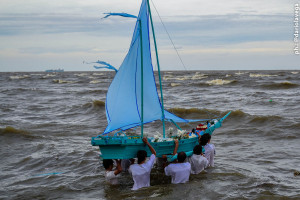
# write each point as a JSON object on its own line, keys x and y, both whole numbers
{"x": 141, "y": 172}
{"x": 180, "y": 171}
{"x": 110, "y": 175}
{"x": 209, "y": 148}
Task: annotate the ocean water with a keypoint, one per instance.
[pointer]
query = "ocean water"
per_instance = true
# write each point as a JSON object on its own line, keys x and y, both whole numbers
{"x": 47, "y": 121}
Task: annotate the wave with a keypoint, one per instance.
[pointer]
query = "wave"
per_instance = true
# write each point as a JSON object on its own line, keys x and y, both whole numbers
{"x": 81, "y": 74}
{"x": 220, "y": 82}
{"x": 19, "y": 77}
{"x": 49, "y": 75}
{"x": 236, "y": 115}
{"x": 95, "y": 81}
{"x": 98, "y": 74}
{"x": 261, "y": 75}
{"x": 179, "y": 78}
{"x": 62, "y": 81}
{"x": 294, "y": 72}
{"x": 282, "y": 85}
{"x": 175, "y": 84}
{"x": 196, "y": 76}
{"x": 8, "y": 130}
{"x": 187, "y": 111}
{"x": 84, "y": 92}
{"x": 239, "y": 73}
{"x": 98, "y": 103}
{"x": 265, "y": 119}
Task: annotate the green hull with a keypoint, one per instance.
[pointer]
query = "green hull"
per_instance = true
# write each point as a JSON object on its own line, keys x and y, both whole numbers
{"x": 126, "y": 147}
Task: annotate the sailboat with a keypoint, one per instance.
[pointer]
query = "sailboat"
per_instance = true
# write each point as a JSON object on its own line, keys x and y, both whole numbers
{"x": 132, "y": 100}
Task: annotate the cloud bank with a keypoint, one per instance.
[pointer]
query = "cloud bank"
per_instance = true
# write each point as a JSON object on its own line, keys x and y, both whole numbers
{"x": 37, "y": 35}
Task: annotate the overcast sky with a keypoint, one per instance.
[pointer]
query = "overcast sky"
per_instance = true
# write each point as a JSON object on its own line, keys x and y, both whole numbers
{"x": 36, "y": 35}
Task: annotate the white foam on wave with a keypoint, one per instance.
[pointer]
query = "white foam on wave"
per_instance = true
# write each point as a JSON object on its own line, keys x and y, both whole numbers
{"x": 19, "y": 77}
{"x": 294, "y": 72}
{"x": 196, "y": 76}
{"x": 261, "y": 75}
{"x": 49, "y": 75}
{"x": 95, "y": 81}
{"x": 81, "y": 74}
{"x": 175, "y": 84}
{"x": 168, "y": 77}
{"x": 239, "y": 73}
{"x": 97, "y": 74}
{"x": 219, "y": 82}
{"x": 62, "y": 81}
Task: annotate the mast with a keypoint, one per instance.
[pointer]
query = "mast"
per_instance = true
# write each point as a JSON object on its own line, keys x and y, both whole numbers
{"x": 142, "y": 81}
{"x": 158, "y": 68}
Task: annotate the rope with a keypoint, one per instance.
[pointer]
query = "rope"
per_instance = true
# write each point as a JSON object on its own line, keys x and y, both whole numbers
{"x": 169, "y": 36}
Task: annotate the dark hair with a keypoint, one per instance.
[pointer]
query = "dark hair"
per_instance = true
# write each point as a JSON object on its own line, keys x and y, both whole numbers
{"x": 141, "y": 156}
{"x": 181, "y": 157}
{"x": 107, "y": 163}
{"x": 193, "y": 130}
{"x": 197, "y": 149}
{"x": 204, "y": 139}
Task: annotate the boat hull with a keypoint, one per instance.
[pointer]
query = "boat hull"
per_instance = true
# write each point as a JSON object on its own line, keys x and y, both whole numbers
{"x": 127, "y": 147}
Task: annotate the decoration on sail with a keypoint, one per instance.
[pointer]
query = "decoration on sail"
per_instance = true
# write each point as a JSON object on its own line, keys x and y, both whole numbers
{"x": 119, "y": 14}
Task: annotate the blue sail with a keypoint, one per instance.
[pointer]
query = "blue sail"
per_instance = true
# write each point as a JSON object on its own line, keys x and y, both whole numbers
{"x": 123, "y": 101}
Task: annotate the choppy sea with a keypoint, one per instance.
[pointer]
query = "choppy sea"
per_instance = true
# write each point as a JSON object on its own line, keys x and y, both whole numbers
{"x": 47, "y": 121}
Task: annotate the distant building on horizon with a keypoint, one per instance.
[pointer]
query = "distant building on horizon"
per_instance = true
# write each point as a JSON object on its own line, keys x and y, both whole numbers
{"x": 54, "y": 70}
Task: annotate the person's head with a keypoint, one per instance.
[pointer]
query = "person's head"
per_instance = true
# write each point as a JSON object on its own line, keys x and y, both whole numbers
{"x": 193, "y": 130}
{"x": 181, "y": 157}
{"x": 108, "y": 163}
{"x": 197, "y": 149}
{"x": 207, "y": 122}
{"x": 141, "y": 156}
{"x": 205, "y": 139}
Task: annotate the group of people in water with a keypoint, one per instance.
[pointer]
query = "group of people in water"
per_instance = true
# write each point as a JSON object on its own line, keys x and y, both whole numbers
{"x": 179, "y": 170}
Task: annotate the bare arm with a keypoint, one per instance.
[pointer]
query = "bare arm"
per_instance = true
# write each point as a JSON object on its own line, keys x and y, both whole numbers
{"x": 174, "y": 153}
{"x": 149, "y": 145}
{"x": 199, "y": 137}
{"x": 176, "y": 147}
{"x": 119, "y": 167}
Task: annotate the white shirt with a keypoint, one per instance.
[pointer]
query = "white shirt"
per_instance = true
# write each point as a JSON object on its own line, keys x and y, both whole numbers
{"x": 210, "y": 153}
{"x": 180, "y": 172}
{"x": 111, "y": 178}
{"x": 141, "y": 173}
{"x": 198, "y": 163}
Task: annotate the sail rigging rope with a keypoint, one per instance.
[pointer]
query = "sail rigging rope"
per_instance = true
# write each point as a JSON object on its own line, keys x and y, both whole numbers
{"x": 210, "y": 115}
{"x": 169, "y": 36}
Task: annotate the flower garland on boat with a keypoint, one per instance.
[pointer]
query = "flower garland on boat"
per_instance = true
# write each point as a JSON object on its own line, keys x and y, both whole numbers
{"x": 181, "y": 134}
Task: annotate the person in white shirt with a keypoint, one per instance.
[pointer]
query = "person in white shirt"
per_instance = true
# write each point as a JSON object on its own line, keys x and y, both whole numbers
{"x": 180, "y": 171}
{"x": 110, "y": 175}
{"x": 209, "y": 148}
{"x": 197, "y": 160}
{"x": 141, "y": 171}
